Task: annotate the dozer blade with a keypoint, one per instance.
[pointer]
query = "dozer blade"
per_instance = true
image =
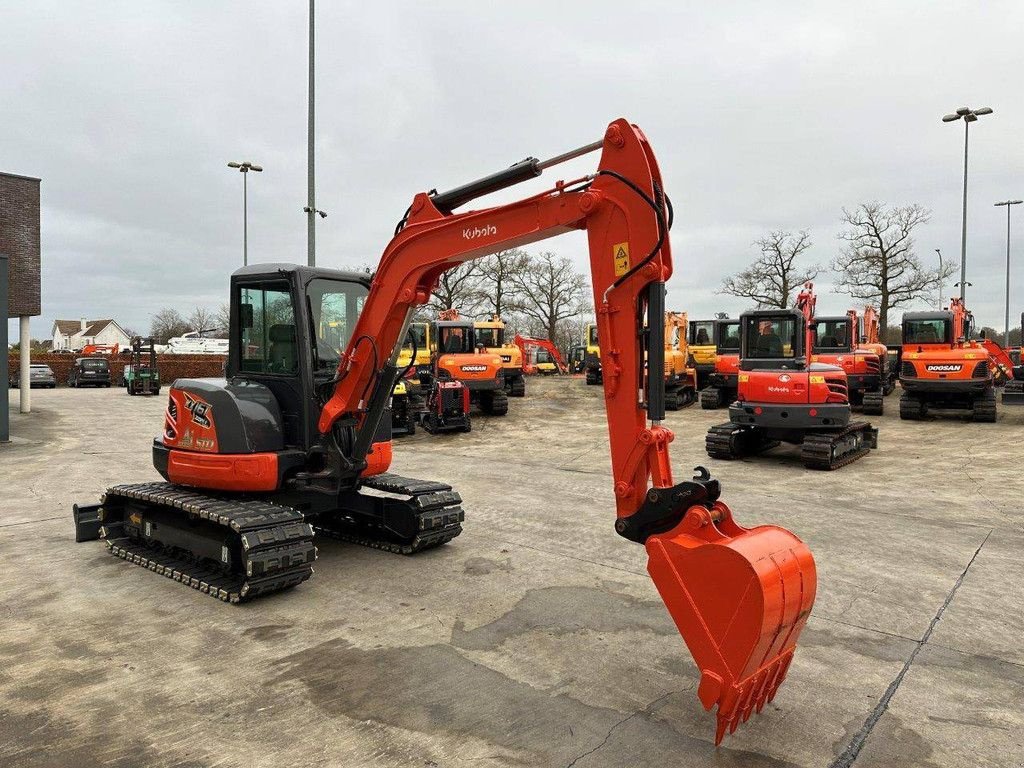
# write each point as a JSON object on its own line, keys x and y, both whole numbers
{"x": 740, "y": 598}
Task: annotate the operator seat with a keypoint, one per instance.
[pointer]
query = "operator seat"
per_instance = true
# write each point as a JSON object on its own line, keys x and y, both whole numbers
{"x": 702, "y": 338}
{"x": 769, "y": 345}
{"x": 282, "y": 357}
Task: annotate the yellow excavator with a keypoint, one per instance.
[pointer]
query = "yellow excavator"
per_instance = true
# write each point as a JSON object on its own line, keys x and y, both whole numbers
{"x": 702, "y": 349}
{"x": 490, "y": 334}
{"x": 680, "y": 376}
{"x": 592, "y": 357}
{"x": 408, "y": 395}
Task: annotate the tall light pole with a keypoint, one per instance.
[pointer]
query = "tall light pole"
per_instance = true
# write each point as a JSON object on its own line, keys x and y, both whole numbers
{"x": 969, "y": 116}
{"x": 941, "y": 270}
{"x": 244, "y": 168}
{"x": 1007, "y": 204}
{"x": 310, "y": 208}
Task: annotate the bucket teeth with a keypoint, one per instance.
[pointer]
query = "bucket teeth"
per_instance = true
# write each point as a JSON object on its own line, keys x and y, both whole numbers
{"x": 737, "y": 704}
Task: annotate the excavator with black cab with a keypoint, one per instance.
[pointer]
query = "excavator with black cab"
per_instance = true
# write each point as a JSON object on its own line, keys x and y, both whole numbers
{"x": 298, "y": 434}
{"x": 839, "y": 341}
{"x": 722, "y": 383}
{"x": 784, "y": 397}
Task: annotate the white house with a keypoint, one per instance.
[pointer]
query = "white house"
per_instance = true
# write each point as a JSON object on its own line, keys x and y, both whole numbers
{"x": 75, "y": 334}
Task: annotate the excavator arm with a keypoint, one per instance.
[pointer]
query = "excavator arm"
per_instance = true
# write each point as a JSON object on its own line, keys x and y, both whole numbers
{"x": 739, "y": 597}
{"x": 525, "y": 342}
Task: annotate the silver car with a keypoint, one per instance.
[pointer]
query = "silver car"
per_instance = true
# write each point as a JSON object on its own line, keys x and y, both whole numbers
{"x": 38, "y": 376}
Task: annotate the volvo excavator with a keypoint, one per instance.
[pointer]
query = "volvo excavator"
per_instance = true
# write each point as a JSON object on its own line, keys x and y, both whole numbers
{"x": 298, "y": 433}
{"x": 783, "y": 396}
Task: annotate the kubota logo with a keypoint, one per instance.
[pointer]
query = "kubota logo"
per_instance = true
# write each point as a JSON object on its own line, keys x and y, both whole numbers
{"x": 778, "y": 389}
{"x": 784, "y": 378}
{"x": 475, "y": 232}
{"x": 943, "y": 367}
{"x": 474, "y": 368}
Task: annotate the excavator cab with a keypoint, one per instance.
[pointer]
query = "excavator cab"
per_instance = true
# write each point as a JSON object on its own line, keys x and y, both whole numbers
{"x": 722, "y": 382}
{"x": 772, "y": 339}
{"x": 592, "y": 357}
{"x": 702, "y": 349}
{"x": 490, "y": 336}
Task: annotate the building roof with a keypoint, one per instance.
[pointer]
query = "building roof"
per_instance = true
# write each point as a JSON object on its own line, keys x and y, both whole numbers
{"x": 71, "y": 327}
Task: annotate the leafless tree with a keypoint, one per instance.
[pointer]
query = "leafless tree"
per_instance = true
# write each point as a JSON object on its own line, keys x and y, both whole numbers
{"x": 166, "y": 324}
{"x": 550, "y": 290}
{"x": 878, "y": 263}
{"x": 458, "y": 288}
{"x": 222, "y": 320}
{"x": 772, "y": 279}
{"x": 202, "y": 319}
{"x": 497, "y": 287}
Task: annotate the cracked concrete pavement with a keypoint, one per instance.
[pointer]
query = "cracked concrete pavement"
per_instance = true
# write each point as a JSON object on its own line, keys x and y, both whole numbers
{"x": 534, "y": 639}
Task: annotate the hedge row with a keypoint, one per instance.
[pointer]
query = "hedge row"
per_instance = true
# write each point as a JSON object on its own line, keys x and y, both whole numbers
{"x": 171, "y": 367}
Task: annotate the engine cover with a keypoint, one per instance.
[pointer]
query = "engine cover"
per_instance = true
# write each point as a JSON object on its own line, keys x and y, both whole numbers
{"x": 238, "y": 417}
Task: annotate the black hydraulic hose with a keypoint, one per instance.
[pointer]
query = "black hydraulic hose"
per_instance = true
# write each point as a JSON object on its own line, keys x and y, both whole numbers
{"x": 659, "y": 214}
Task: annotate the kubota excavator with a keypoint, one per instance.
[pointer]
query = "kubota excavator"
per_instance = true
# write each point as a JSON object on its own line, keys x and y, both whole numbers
{"x": 838, "y": 341}
{"x": 943, "y": 368}
{"x": 294, "y": 436}
{"x": 785, "y": 397}
{"x": 723, "y": 381}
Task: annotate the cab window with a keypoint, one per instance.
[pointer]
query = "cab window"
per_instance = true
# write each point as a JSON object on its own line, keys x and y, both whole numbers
{"x": 931, "y": 331}
{"x": 267, "y": 329}
{"x": 489, "y": 337}
{"x": 334, "y": 307}
{"x": 454, "y": 340}
{"x": 702, "y": 332}
{"x": 771, "y": 338}
{"x": 730, "y": 337}
{"x": 592, "y": 336}
{"x": 831, "y": 334}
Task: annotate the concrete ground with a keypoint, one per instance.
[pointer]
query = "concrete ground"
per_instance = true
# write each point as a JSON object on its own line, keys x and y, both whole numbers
{"x": 534, "y": 639}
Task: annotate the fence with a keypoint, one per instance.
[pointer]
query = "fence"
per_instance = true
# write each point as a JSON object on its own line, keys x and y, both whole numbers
{"x": 171, "y": 367}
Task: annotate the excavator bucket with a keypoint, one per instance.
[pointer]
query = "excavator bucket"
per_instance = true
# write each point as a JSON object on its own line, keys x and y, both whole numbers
{"x": 740, "y": 598}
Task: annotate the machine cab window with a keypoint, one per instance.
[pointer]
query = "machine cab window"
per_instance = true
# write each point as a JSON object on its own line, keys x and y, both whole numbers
{"x": 455, "y": 339}
{"x": 729, "y": 336}
{"x": 932, "y": 330}
{"x": 831, "y": 335}
{"x": 702, "y": 332}
{"x": 771, "y": 338}
{"x": 592, "y": 336}
{"x": 490, "y": 337}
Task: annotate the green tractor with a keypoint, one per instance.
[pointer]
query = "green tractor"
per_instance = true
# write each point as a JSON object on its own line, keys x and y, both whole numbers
{"x": 141, "y": 376}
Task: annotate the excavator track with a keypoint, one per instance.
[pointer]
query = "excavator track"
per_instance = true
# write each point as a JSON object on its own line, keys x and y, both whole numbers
{"x": 832, "y": 450}
{"x": 710, "y": 399}
{"x": 873, "y": 404}
{"x": 429, "y": 515}
{"x": 264, "y": 547}
{"x": 731, "y": 441}
{"x": 1013, "y": 392}
{"x": 985, "y": 408}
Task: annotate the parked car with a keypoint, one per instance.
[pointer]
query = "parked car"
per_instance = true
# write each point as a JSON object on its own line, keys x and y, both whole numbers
{"x": 38, "y": 376}
{"x": 89, "y": 372}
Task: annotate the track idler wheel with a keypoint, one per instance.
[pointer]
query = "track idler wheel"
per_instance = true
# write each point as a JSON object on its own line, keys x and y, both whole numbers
{"x": 740, "y": 598}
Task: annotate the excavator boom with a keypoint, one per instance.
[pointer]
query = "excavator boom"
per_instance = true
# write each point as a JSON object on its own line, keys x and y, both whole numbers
{"x": 739, "y": 597}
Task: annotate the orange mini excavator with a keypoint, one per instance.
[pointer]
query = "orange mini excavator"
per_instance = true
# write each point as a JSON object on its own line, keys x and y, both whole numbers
{"x": 838, "y": 341}
{"x": 785, "y": 397}
{"x": 290, "y": 442}
{"x": 531, "y": 346}
{"x": 723, "y": 381}
{"x": 943, "y": 368}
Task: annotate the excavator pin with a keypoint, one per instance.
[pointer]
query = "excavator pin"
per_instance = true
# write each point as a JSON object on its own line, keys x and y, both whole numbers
{"x": 740, "y": 598}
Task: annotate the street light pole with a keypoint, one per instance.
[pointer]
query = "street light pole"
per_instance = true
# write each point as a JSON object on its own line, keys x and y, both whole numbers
{"x": 310, "y": 208}
{"x": 1006, "y": 319}
{"x": 244, "y": 168}
{"x": 941, "y": 271}
{"x": 969, "y": 116}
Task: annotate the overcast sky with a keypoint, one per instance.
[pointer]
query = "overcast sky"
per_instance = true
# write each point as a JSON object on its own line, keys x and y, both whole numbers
{"x": 763, "y": 116}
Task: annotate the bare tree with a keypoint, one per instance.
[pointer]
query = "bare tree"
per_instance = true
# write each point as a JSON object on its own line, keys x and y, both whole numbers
{"x": 458, "y": 288}
{"x": 772, "y": 279}
{"x": 498, "y": 292}
{"x": 166, "y": 324}
{"x": 550, "y": 290}
{"x": 202, "y": 319}
{"x": 222, "y": 319}
{"x": 878, "y": 263}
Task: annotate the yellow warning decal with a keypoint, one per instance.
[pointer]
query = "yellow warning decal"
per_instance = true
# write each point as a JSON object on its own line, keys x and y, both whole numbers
{"x": 817, "y": 379}
{"x": 621, "y": 251}
{"x": 744, "y": 378}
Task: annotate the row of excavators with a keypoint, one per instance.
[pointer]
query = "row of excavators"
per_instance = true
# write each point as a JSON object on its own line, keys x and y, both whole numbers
{"x": 295, "y": 445}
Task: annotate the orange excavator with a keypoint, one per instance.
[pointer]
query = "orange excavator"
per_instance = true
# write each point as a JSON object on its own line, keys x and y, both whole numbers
{"x": 723, "y": 382}
{"x": 785, "y": 397}
{"x": 838, "y": 341}
{"x": 529, "y": 346}
{"x": 943, "y": 368}
{"x": 459, "y": 358}
{"x": 290, "y": 442}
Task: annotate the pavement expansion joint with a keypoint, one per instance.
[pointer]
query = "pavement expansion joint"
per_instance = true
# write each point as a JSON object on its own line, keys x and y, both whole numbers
{"x": 849, "y": 755}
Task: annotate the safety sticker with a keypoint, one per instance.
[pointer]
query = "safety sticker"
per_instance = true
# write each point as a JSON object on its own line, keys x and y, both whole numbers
{"x": 621, "y": 251}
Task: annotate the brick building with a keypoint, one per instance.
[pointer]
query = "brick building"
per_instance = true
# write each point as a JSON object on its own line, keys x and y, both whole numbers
{"x": 19, "y": 242}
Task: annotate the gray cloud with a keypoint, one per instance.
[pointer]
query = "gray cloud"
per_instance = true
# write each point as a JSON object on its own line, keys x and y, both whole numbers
{"x": 763, "y": 116}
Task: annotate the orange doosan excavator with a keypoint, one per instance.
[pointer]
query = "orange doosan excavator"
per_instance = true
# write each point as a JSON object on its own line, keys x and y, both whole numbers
{"x": 944, "y": 368}
{"x": 783, "y": 396}
{"x": 299, "y": 430}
